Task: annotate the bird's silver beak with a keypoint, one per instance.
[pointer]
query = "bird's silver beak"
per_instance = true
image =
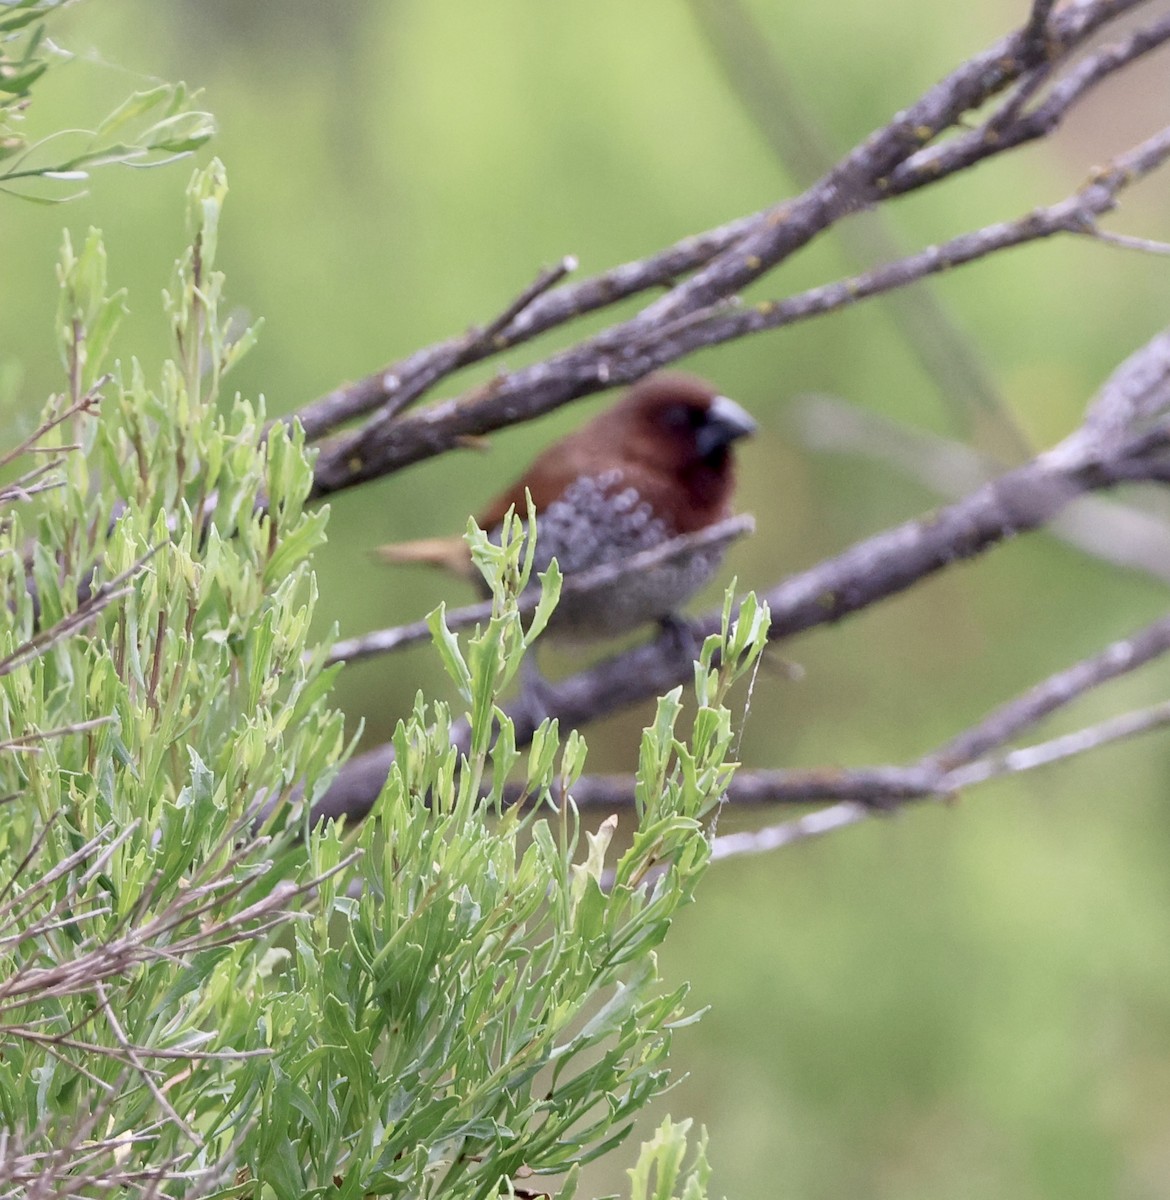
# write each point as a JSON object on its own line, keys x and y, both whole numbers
{"x": 726, "y": 421}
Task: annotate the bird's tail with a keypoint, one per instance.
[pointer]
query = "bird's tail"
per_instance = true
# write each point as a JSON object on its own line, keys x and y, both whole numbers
{"x": 450, "y": 553}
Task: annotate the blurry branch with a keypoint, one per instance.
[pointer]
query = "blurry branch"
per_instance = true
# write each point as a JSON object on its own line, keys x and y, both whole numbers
{"x": 1034, "y": 30}
{"x": 972, "y": 757}
{"x": 1124, "y": 535}
{"x": 1145, "y": 245}
{"x": 896, "y": 158}
{"x": 1137, "y": 392}
{"x": 877, "y": 789}
{"x": 1010, "y": 126}
{"x": 134, "y": 1059}
{"x": 601, "y": 578}
{"x": 1077, "y": 215}
{"x": 903, "y": 155}
{"x": 1108, "y": 530}
{"x": 1126, "y": 437}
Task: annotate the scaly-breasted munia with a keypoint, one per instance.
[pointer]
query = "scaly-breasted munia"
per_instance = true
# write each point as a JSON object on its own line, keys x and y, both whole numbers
{"x": 656, "y": 465}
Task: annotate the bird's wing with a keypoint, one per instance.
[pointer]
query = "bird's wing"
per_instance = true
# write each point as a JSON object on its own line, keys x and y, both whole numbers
{"x": 548, "y": 477}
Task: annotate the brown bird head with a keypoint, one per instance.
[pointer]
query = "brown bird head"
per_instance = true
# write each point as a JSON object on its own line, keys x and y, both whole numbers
{"x": 678, "y": 427}
{"x": 670, "y": 438}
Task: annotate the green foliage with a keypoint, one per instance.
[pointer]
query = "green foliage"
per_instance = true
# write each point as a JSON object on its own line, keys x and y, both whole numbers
{"x": 148, "y": 128}
{"x": 659, "y": 1169}
{"x": 491, "y": 995}
{"x": 461, "y": 996}
{"x": 152, "y": 685}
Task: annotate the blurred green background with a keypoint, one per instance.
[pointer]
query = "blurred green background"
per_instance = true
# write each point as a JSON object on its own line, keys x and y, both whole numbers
{"x": 961, "y": 1001}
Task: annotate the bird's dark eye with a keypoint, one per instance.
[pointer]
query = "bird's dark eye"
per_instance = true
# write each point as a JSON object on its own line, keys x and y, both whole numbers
{"x": 681, "y": 416}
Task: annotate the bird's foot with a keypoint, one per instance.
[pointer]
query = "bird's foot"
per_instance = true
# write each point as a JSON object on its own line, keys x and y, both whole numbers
{"x": 681, "y": 636}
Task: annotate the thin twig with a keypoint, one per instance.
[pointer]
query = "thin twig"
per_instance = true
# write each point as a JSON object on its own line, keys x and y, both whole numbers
{"x": 1027, "y": 758}
{"x": 26, "y": 741}
{"x": 87, "y": 610}
{"x": 1007, "y": 721}
{"x": 475, "y": 344}
{"x": 597, "y": 579}
{"x": 1069, "y": 745}
{"x": 546, "y": 311}
{"x": 140, "y": 1068}
{"x": 1144, "y": 245}
{"x": 83, "y": 405}
{"x": 33, "y": 480}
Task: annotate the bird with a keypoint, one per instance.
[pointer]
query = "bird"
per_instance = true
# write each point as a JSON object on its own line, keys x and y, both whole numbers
{"x": 656, "y": 465}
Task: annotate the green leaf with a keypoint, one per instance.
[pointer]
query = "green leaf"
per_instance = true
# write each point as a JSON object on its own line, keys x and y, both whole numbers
{"x": 449, "y": 653}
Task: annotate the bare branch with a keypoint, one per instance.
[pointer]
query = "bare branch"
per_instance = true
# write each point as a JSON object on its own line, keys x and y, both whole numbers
{"x": 1011, "y": 719}
{"x": 1124, "y": 535}
{"x": 629, "y": 351}
{"x": 1008, "y": 127}
{"x": 864, "y": 176}
{"x": 83, "y": 405}
{"x": 394, "y": 390}
{"x": 1143, "y": 245}
{"x": 1137, "y": 391}
{"x": 872, "y": 570}
{"x": 1076, "y": 214}
{"x": 799, "y": 829}
{"x": 87, "y": 610}
{"x": 878, "y": 787}
{"x": 730, "y": 257}
{"x": 1092, "y": 737}
{"x": 597, "y": 579}
{"x": 414, "y": 374}
{"x": 946, "y": 785}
